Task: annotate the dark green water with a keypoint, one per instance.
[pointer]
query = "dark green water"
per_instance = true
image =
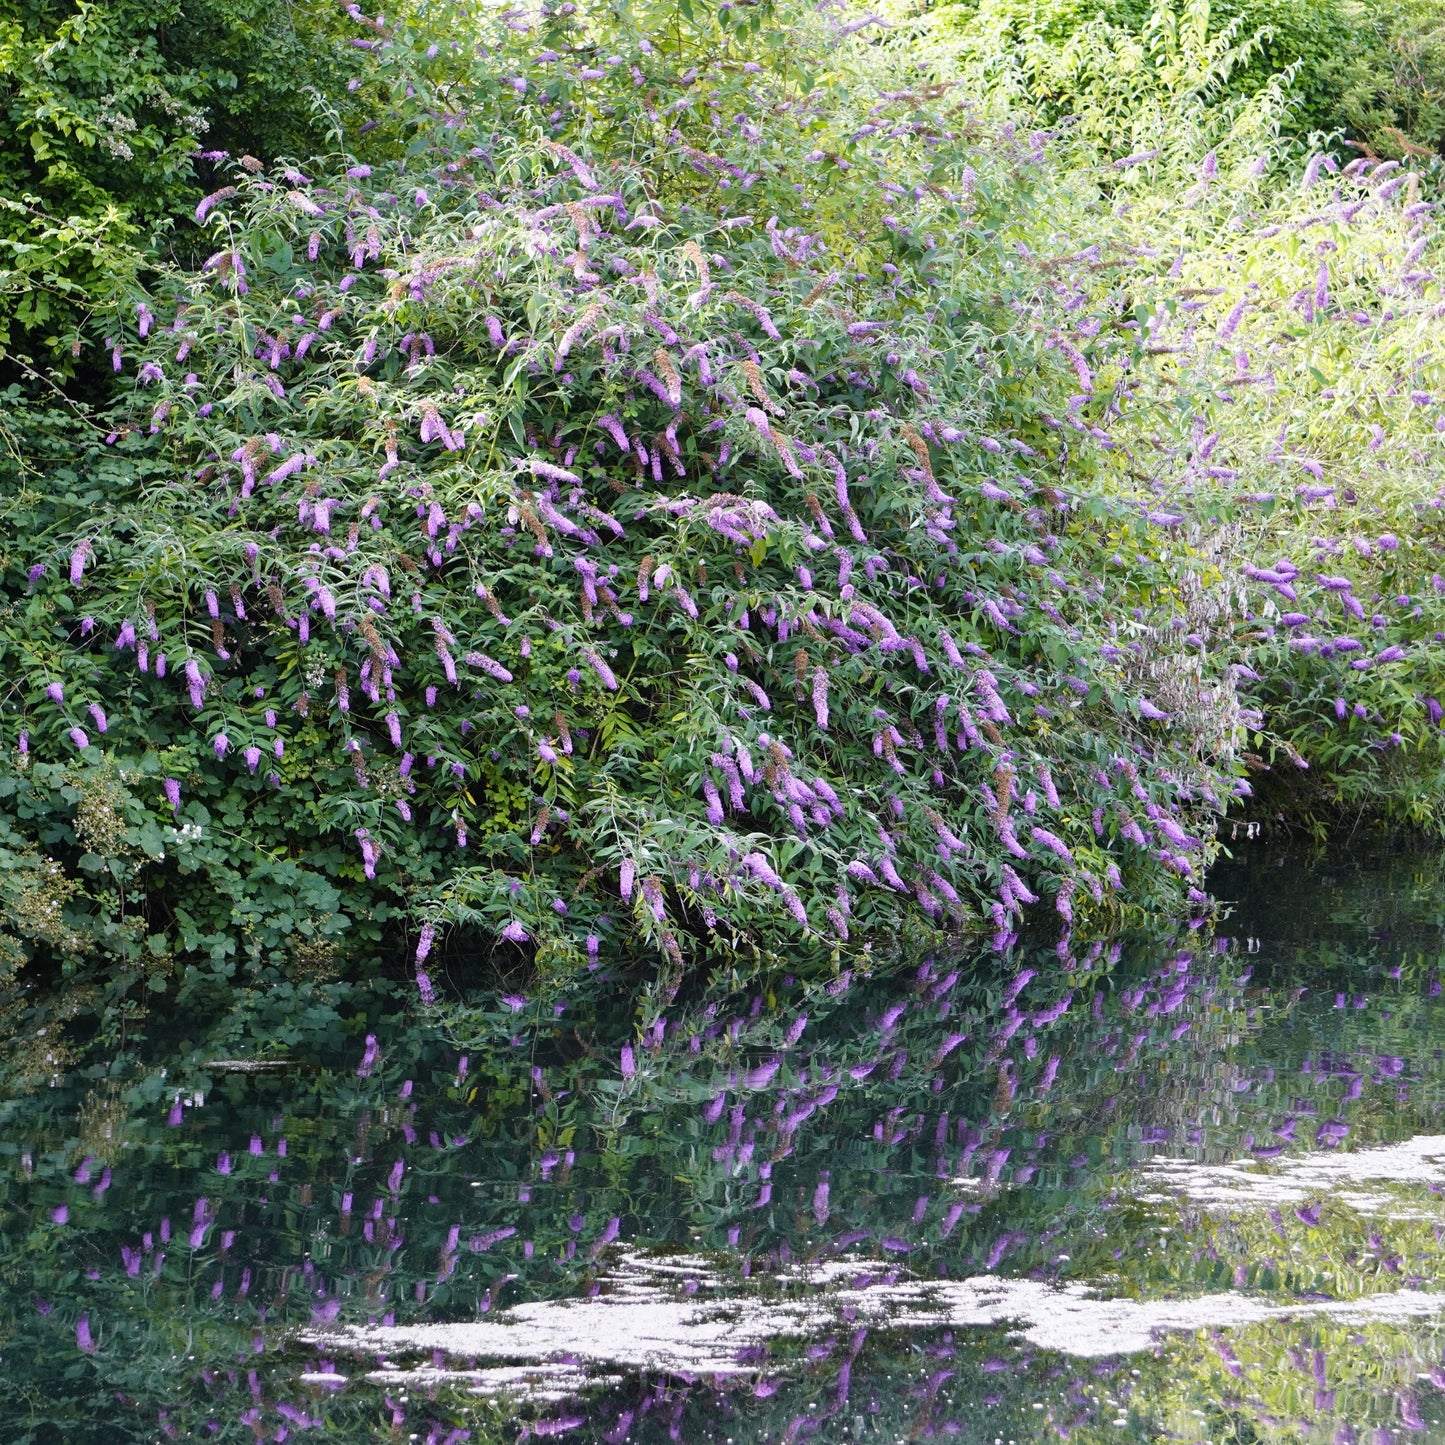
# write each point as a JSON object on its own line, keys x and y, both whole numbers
{"x": 1180, "y": 1188}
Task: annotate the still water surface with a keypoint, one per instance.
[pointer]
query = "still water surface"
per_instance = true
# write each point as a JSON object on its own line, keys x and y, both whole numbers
{"x": 1187, "y": 1187}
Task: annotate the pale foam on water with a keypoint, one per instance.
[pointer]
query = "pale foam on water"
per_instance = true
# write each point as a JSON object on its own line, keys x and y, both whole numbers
{"x": 1300, "y": 1178}
{"x": 640, "y": 1322}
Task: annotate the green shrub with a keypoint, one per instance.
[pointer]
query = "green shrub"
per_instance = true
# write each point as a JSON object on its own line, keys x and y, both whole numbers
{"x": 1286, "y": 398}
{"x": 1375, "y": 73}
{"x": 680, "y": 542}
{"x": 103, "y": 108}
{"x": 617, "y": 505}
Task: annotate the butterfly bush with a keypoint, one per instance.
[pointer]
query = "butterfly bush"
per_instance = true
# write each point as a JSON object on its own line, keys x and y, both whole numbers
{"x": 1282, "y": 396}
{"x": 623, "y": 523}
{"x": 1297, "y": 329}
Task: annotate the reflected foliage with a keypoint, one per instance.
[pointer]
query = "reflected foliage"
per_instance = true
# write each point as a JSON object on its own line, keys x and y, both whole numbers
{"x": 191, "y": 1224}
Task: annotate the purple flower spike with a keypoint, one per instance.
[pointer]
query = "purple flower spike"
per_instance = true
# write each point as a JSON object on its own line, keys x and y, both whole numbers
{"x": 369, "y": 852}
{"x": 714, "y": 802}
{"x": 368, "y": 1057}
{"x": 220, "y": 742}
{"x": 1052, "y": 842}
{"x": 83, "y": 1336}
{"x": 194, "y": 681}
{"x": 78, "y": 737}
{"x": 173, "y": 793}
{"x": 762, "y": 870}
{"x": 602, "y": 670}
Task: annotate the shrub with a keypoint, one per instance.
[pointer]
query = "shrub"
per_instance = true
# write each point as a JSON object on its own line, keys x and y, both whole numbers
{"x": 103, "y": 108}
{"x": 1294, "y": 349}
{"x": 1376, "y": 73}
{"x": 682, "y": 545}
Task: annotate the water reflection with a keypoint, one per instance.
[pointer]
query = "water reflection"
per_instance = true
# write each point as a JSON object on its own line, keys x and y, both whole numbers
{"x": 1179, "y": 1187}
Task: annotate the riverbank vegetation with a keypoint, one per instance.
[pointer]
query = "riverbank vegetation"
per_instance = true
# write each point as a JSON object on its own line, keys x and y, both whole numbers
{"x": 686, "y": 486}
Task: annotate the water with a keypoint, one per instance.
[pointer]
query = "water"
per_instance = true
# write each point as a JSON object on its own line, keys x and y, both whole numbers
{"x": 1185, "y": 1187}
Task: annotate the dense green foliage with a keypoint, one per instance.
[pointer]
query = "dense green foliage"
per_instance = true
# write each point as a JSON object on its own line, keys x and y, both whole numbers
{"x": 615, "y": 524}
{"x": 816, "y": 702}
{"x": 1303, "y": 343}
{"x": 104, "y": 108}
{"x": 1372, "y": 73}
{"x": 658, "y": 500}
